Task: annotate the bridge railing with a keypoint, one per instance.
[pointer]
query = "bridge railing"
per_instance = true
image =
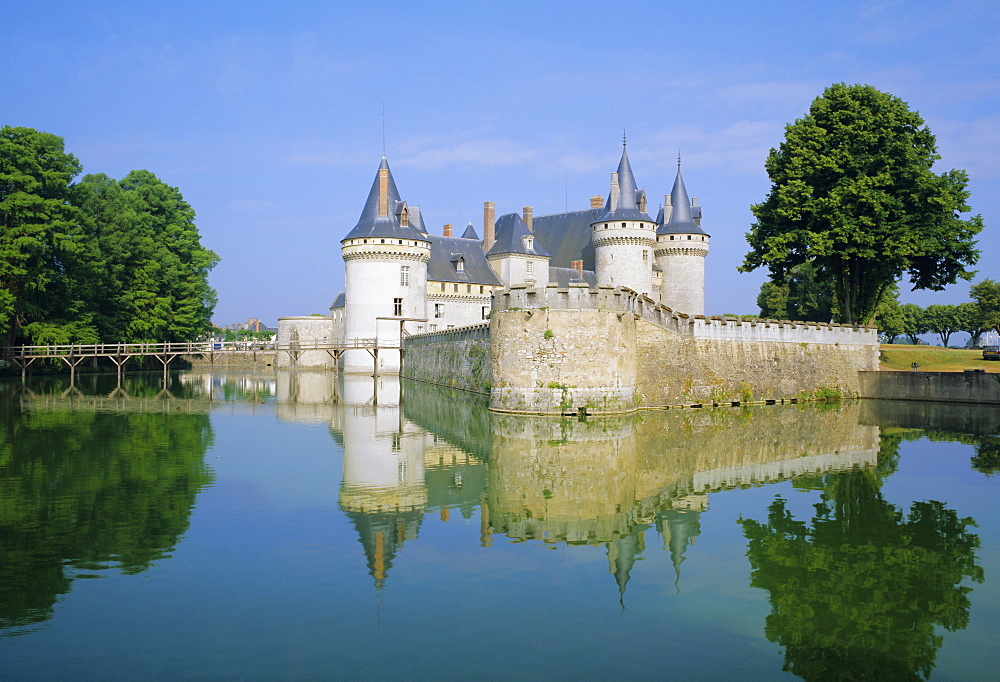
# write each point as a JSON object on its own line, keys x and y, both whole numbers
{"x": 185, "y": 348}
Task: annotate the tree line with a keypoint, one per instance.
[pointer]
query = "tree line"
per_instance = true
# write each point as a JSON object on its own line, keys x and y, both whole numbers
{"x": 805, "y": 296}
{"x": 97, "y": 260}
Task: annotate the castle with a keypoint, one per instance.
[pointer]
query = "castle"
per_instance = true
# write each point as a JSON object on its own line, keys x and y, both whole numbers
{"x": 402, "y": 280}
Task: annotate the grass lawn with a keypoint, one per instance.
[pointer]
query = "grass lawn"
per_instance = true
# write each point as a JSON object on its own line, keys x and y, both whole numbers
{"x": 934, "y": 359}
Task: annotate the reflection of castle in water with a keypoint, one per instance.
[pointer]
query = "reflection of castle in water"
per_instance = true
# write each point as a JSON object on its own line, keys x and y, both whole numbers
{"x": 416, "y": 449}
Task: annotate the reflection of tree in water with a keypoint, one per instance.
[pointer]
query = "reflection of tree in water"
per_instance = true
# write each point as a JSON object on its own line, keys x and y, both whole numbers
{"x": 859, "y": 592}
{"x": 85, "y": 491}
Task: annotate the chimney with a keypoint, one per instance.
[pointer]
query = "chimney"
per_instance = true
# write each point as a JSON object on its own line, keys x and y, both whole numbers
{"x": 383, "y": 191}
{"x": 596, "y": 201}
{"x": 447, "y": 230}
{"x": 578, "y": 264}
{"x": 614, "y": 191}
{"x": 489, "y": 224}
{"x": 529, "y": 218}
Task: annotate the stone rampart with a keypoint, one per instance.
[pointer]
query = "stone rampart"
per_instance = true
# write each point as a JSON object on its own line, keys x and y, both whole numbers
{"x": 607, "y": 349}
{"x": 457, "y": 358}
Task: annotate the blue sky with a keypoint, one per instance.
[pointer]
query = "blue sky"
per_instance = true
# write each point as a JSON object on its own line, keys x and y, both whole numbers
{"x": 268, "y": 118}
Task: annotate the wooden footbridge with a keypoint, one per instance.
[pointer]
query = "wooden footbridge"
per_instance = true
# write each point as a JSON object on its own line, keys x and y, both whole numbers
{"x": 120, "y": 353}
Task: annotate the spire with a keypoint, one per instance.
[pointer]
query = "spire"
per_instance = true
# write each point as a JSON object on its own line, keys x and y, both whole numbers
{"x": 626, "y": 182}
{"x": 379, "y": 217}
{"x": 681, "y": 214}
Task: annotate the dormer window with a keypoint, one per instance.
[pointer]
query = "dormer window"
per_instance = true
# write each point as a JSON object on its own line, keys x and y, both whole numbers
{"x": 460, "y": 265}
{"x": 529, "y": 243}
{"x": 404, "y": 218}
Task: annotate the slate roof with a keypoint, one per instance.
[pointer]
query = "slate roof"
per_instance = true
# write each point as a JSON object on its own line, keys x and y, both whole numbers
{"x": 566, "y": 236}
{"x": 510, "y": 231}
{"x": 563, "y": 276}
{"x": 340, "y": 301}
{"x": 628, "y": 196}
{"x": 682, "y": 215}
{"x": 445, "y": 251}
{"x": 470, "y": 233}
{"x": 371, "y": 224}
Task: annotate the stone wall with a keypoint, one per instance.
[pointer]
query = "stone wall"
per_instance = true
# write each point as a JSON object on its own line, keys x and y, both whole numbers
{"x": 949, "y": 387}
{"x": 607, "y": 349}
{"x": 307, "y": 330}
{"x": 798, "y": 361}
{"x": 457, "y": 358}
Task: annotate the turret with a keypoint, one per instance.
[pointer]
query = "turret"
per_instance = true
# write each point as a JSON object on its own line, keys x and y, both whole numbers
{"x": 516, "y": 256}
{"x": 624, "y": 237}
{"x": 681, "y": 247}
{"x": 385, "y": 269}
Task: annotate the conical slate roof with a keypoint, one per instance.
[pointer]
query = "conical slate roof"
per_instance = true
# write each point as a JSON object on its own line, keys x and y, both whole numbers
{"x": 681, "y": 219}
{"x": 510, "y": 230}
{"x": 371, "y": 224}
{"x": 628, "y": 193}
{"x": 470, "y": 233}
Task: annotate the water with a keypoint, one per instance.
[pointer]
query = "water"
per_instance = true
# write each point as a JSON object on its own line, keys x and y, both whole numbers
{"x": 299, "y": 527}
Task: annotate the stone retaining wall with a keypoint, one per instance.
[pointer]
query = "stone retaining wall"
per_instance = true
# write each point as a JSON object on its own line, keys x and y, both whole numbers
{"x": 458, "y": 358}
{"x": 949, "y": 387}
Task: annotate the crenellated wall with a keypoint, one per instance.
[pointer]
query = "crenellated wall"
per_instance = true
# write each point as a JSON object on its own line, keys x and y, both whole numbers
{"x": 608, "y": 349}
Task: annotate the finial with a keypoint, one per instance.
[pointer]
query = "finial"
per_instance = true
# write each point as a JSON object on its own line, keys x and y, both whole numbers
{"x": 383, "y": 129}
{"x": 623, "y": 138}
{"x": 678, "y": 159}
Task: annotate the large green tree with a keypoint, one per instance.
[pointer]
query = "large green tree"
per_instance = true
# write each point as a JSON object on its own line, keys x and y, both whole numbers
{"x": 971, "y": 321}
{"x": 40, "y": 239}
{"x": 854, "y": 195}
{"x": 943, "y": 320}
{"x": 153, "y": 268}
{"x": 801, "y": 296}
{"x": 914, "y": 321}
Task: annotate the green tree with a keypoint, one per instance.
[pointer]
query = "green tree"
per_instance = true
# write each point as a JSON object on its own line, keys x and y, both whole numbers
{"x": 986, "y": 296}
{"x": 859, "y": 592}
{"x": 891, "y": 323}
{"x": 970, "y": 320}
{"x": 943, "y": 320}
{"x": 853, "y": 194}
{"x": 40, "y": 240}
{"x": 914, "y": 321}
{"x": 154, "y": 281}
{"x": 802, "y": 296}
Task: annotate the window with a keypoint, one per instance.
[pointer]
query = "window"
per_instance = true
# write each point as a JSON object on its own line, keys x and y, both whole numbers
{"x": 486, "y": 312}
{"x": 397, "y": 307}
{"x": 442, "y": 287}
{"x": 529, "y": 243}
{"x": 623, "y": 224}
{"x": 460, "y": 265}
{"x": 454, "y": 288}
{"x": 689, "y": 237}
{"x": 481, "y": 290}
{"x": 645, "y": 256}
{"x": 468, "y": 288}
{"x": 404, "y": 275}
{"x": 439, "y": 310}
{"x": 434, "y": 327}
{"x": 530, "y": 268}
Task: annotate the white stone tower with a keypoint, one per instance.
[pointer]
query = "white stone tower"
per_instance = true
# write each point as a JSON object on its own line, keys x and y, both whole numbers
{"x": 681, "y": 248}
{"x": 385, "y": 272}
{"x": 624, "y": 237}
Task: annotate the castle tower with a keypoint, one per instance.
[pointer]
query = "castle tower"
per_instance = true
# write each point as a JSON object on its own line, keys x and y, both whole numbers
{"x": 385, "y": 271}
{"x": 516, "y": 256}
{"x": 681, "y": 247}
{"x": 624, "y": 237}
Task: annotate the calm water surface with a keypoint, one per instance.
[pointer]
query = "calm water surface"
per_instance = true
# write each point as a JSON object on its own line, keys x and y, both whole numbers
{"x": 303, "y": 526}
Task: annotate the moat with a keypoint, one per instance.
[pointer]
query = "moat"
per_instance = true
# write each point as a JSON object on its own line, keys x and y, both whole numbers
{"x": 308, "y": 525}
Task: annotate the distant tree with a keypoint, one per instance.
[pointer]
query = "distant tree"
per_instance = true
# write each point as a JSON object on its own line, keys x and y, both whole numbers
{"x": 801, "y": 296}
{"x": 40, "y": 240}
{"x": 890, "y": 320}
{"x": 970, "y": 320}
{"x": 914, "y": 321}
{"x": 853, "y": 195}
{"x": 943, "y": 320}
{"x": 986, "y": 296}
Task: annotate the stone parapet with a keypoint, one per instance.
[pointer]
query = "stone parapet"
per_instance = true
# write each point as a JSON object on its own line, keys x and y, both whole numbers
{"x": 780, "y": 331}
